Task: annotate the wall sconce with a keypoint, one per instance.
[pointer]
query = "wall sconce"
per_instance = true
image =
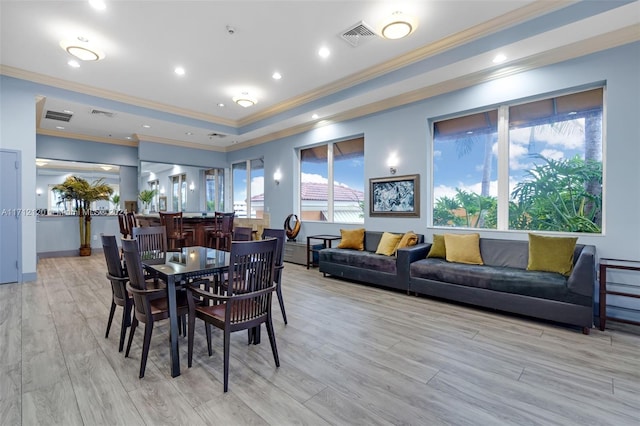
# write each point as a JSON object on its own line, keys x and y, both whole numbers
{"x": 38, "y": 192}
{"x": 192, "y": 187}
{"x": 392, "y": 162}
{"x": 277, "y": 176}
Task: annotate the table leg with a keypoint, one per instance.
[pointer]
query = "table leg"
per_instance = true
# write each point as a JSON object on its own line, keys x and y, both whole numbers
{"x": 173, "y": 322}
{"x": 308, "y": 250}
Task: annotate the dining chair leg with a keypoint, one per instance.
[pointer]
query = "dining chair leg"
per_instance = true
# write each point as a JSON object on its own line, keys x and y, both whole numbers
{"x": 134, "y": 324}
{"x": 112, "y": 311}
{"x": 227, "y": 338}
{"x": 148, "y": 329}
{"x": 281, "y": 302}
{"x": 126, "y": 322}
{"x": 190, "y": 331}
{"x": 272, "y": 340}
{"x": 207, "y": 328}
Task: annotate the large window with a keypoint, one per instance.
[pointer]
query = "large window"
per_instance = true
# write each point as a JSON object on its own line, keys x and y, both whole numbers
{"x": 248, "y": 188}
{"x": 214, "y": 188}
{"x": 527, "y": 166}
{"x": 341, "y": 163}
{"x": 179, "y": 192}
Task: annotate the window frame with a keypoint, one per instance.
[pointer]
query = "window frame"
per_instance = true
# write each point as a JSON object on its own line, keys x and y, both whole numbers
{"x": 503, "y": 167}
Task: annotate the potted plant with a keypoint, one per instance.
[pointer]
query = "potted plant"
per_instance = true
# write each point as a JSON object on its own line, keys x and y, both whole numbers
{"x": 146, "y": 196}
{"x": 116, "y": 202}
{"x": 82, "y": 193}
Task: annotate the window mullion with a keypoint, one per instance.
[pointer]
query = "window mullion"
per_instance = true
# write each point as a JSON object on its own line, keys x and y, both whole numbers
{"x": 330, "y": 182}
{"x": 503, "y": 168}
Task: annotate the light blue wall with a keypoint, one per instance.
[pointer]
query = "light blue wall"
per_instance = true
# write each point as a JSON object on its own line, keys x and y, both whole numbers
{"x": 405, "y": 130}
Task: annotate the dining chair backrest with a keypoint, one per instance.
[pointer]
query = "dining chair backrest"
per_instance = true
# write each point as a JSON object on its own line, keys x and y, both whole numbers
{"x": 253, "y": 265}
{"x": 132, "y": 257}
{"x": 114, "y": 266}
{"x": 226, "y": 222}
{"x": 122, "y": 223}
{"x": 172, "y": 221}
{"x": 131, "y": 222}
{"x": 152, "y": 243}
{"x": 242, "y": 233}
{"x": 280, "y": 235}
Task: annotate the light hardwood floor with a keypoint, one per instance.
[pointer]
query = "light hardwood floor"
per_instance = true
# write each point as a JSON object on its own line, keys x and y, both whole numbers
{"x": 351, "y": 354}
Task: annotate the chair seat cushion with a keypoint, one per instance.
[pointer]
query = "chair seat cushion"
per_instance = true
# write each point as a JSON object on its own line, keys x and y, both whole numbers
{"x": 238, "y": 310}
{"x": 162, "y": 305}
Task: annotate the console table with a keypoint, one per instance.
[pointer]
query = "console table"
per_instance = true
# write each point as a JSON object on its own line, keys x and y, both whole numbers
{"x": 606, "y": 264}
{"x": 326, "y": 243}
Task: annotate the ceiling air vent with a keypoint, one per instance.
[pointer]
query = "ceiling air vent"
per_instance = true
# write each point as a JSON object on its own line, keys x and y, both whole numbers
{"x": 102, "y": 113}
{"x": 357, "y": 34}
{"x": 60, "y": 116}
{"x": 216, "y": 135}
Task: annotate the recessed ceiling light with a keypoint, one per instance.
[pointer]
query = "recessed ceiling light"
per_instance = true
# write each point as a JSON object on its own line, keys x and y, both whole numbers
{"x": 82, "y": 50}
{"x": 60, "y": 127}
{"x": 276, "y": 75}
{"x": 98, "y": 4}
{"x": 179, "y": 71}
{"x": 244, "y": 100}
{"x": 188, "y": 133}
{"x": 314, "y": 116}
{"x": 73, "y": 63}
{"x": 499, "y": 58}
{"x": 398, "y": 25}
{"x": 67, "y": 111}
{"x": 146, "y": 126}
{"x": 220, "y": 104}
{"x": 324, "y": 52}
{"x": 129, "y": 137}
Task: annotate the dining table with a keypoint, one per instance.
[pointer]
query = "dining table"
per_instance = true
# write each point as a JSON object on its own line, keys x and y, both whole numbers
{"x": 187, "y": 264}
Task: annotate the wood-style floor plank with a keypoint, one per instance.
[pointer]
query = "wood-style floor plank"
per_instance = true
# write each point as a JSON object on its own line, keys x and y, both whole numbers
{"x": 351, "y": 354}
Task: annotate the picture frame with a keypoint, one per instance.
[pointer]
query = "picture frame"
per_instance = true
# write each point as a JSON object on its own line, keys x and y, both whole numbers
{"x": 162, "y": 203}
{"x": 397, "y": 196}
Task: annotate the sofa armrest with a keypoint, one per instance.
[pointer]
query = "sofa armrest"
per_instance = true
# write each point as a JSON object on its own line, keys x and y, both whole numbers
{"x": 407, "y": 255}
{"x": 583, "y": 277}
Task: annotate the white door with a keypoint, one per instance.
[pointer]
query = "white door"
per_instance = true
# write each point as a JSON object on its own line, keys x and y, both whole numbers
{"x": 9, "y": 216}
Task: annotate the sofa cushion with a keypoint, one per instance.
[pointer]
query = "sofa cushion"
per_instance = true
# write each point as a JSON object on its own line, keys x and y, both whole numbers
{"x": 438, "y": 249}
{"x": 388, "y": 243}
{"x": 352, "y": 239}
{"x": 551, "y": 254}
{"x": 359, "y": 259}
{"x": 409, "y": 239}
{"x": 463, "y": 248}
{"x": 546, "y": 285}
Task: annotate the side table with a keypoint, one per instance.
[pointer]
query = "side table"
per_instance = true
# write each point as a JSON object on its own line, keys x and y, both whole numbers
{"x": 605, "y": 264}
{"x": 326, "y": 243}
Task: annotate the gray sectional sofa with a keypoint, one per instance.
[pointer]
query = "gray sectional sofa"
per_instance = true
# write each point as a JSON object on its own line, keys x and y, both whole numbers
{"x": 366, "y": 266}
{"x": 504, "y": 284}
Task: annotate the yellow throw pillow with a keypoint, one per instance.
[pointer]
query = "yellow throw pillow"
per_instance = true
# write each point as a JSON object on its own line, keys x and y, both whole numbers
{"x": 388, "y": 243}
{"x": 408, "y": 239}
{"x": 352, "y": 239}
{"x": 438, "y": 248}
{"x": 551, "y": 254}
{"x": 463, "y": 248}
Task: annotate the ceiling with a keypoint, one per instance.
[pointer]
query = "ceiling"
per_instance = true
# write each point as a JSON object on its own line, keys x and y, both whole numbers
{"x": 144, "y": 41}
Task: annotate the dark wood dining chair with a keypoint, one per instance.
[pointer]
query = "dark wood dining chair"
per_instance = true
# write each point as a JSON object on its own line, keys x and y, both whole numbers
{"x": 125, "y": 232}
{"x": 118, "y": 278}
{"x": 176, "y": 237}
{"x": 280, "y": 235}
{"x": 221, "y": 237}
{"x": 152, "y": 243}
{"x": 149, "y": 304}
{"x": 251, "y": 268}
{"x": 242, "y": 233}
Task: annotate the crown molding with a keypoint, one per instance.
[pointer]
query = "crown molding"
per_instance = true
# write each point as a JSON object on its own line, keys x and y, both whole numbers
{"x": 68, "y": 135}
{"x": 595, "y": 44}
{"x": 494, "y": 25}
{"x": 113, "y": 96}
{"x": 174, "y": 142}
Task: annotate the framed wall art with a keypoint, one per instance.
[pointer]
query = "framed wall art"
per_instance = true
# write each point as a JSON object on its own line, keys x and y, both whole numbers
{"x": 162, "y": 203}
{"x": 397, "y": 196}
